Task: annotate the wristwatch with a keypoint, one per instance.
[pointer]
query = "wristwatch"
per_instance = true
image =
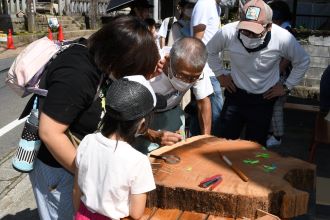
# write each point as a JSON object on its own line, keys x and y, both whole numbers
{"x": 286, "y": 89}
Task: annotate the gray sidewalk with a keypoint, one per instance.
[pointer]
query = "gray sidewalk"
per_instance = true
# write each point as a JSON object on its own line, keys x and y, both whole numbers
{"x": 16, "y": 196}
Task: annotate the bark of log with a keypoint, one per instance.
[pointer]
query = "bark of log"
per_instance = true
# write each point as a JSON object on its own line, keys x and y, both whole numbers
{"x": 279, "y": 192}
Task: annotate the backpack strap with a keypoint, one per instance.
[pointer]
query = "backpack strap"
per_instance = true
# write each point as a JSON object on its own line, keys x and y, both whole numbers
{"x": 169, "y": 26}
{"x": 42, "y": 83}
{"x": 178, "y": 23}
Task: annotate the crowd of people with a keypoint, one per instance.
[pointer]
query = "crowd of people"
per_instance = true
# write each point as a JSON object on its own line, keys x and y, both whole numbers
{"x": 120, "y": 92}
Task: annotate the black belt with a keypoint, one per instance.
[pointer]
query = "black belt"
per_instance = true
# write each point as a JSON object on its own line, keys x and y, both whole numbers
{"x": 248, "y": 98}
{"x": 245, "y": 92}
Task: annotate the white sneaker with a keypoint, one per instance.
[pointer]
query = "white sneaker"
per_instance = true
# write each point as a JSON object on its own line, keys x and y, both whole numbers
{"x": 272, "y": 141}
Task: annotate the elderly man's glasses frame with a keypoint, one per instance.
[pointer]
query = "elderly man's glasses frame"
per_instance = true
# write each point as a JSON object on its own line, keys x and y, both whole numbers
{"x": 183, "y": 77}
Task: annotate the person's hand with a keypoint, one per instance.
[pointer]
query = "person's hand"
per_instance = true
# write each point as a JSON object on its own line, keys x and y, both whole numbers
{"x": 159, "y": 67}
{"x": 164, "y": 138}
{"x": 227, "y": 82}
{"x": 167, "y": 138}
{"x": 275, "y": 91}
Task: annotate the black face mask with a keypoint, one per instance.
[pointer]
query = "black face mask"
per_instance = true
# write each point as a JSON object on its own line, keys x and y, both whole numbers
{"x": 262, "y": 46}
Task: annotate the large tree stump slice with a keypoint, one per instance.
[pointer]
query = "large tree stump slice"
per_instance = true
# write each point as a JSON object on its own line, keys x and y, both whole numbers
{"x": 282, "y": 192}
{"x": 175, "y": 214}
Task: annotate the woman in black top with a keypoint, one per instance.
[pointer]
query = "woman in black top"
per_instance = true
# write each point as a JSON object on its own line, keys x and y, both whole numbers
{"x": 76, "y": 81}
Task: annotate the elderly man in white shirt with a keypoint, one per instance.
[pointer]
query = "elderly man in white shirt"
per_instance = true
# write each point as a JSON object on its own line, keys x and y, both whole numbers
{"x": 255, "y": 47}
{"x": 182, "y": 71}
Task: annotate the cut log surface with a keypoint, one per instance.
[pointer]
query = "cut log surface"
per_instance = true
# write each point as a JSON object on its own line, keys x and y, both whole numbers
{"x": 175, "y": 214}
{"x": 281, "y": 192}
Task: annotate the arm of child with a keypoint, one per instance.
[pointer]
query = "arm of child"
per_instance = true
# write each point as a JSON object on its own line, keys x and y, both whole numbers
{"x": 76, "y": 192}
{"x": 137, "y": 205}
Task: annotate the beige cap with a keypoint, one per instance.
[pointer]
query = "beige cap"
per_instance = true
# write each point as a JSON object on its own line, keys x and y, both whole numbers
{"x": 257, "y": 14}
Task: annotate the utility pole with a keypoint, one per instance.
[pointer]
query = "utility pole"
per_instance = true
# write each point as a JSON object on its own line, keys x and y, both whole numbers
{"x": 30, "y": 12}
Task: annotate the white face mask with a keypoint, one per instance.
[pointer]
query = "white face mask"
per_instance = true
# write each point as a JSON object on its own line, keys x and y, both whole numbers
{"x": 251, "y": 43}
{"x": 176, "y": 83}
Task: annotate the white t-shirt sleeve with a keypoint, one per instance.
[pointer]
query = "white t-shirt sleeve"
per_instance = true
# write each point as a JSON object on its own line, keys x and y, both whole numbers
{"x": 300, "y": 60}
{"x": 81, "y": 149}
{"x": 162, "y": 32}
{"x": 200, "y": 14}
{"x": 203, "y": 87}
{"x": 215, "y": 46}
{"x": 143, "y": 179}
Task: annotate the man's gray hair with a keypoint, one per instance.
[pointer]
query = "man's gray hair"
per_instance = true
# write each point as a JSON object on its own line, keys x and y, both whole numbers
{"x": 190, "y": 50}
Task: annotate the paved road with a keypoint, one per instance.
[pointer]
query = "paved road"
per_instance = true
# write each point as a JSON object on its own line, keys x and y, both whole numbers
{"x": 16, "y": 195}
{"x": 5, "y": 63}
{"x": 11, "y": 107}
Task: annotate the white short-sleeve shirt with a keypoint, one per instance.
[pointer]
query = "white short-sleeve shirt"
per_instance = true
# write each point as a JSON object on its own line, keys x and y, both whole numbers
{"x": 161, "y": 84}
{"x": 206, "y": 12}
{"x": 109, "y": 171}
{"x": 162, "y": 32}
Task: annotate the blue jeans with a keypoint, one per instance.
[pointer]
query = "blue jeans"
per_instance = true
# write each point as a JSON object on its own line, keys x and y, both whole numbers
{"x": 216, "y": 105}
{"x": 52, "y": 188}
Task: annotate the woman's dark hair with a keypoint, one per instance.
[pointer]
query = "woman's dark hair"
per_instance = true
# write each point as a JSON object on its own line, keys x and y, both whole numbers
{"x": 124, "y": 129}
{"x": 124, "y": 47}
{"x": 150, "y": 22}
{"x": 183, "y": 3}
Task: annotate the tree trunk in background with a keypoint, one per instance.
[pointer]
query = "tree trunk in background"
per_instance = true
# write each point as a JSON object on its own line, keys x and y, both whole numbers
{"x": 93, "y": 14}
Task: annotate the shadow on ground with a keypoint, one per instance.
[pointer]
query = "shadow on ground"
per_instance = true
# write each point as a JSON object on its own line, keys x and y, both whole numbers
{"x": 296, "y": 142}
{"x": 26, "y": 214}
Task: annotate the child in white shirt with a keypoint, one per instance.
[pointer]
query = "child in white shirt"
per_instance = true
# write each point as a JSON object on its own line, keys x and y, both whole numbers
{"x": 112, "y": 178}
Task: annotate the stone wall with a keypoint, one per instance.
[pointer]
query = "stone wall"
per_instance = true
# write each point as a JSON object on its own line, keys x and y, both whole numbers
{"x": 318, "y": 47}
{"x": 19, "y": 24}
{"x": 319, "y": 50}
{"x": 12, "y": 22}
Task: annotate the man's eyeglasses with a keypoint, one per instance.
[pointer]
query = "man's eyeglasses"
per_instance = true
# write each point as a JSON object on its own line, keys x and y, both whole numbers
{"x": 184, "y": 77}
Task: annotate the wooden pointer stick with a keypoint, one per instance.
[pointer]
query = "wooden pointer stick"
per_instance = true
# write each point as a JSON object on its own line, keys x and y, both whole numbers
{"x": 238, "y": 171}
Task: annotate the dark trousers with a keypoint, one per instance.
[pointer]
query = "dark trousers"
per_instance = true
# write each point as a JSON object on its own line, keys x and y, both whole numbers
{"x": 242, "y": 109}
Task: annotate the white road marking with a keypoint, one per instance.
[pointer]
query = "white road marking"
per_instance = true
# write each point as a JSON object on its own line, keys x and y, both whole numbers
{"x": 11, "y": 125}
